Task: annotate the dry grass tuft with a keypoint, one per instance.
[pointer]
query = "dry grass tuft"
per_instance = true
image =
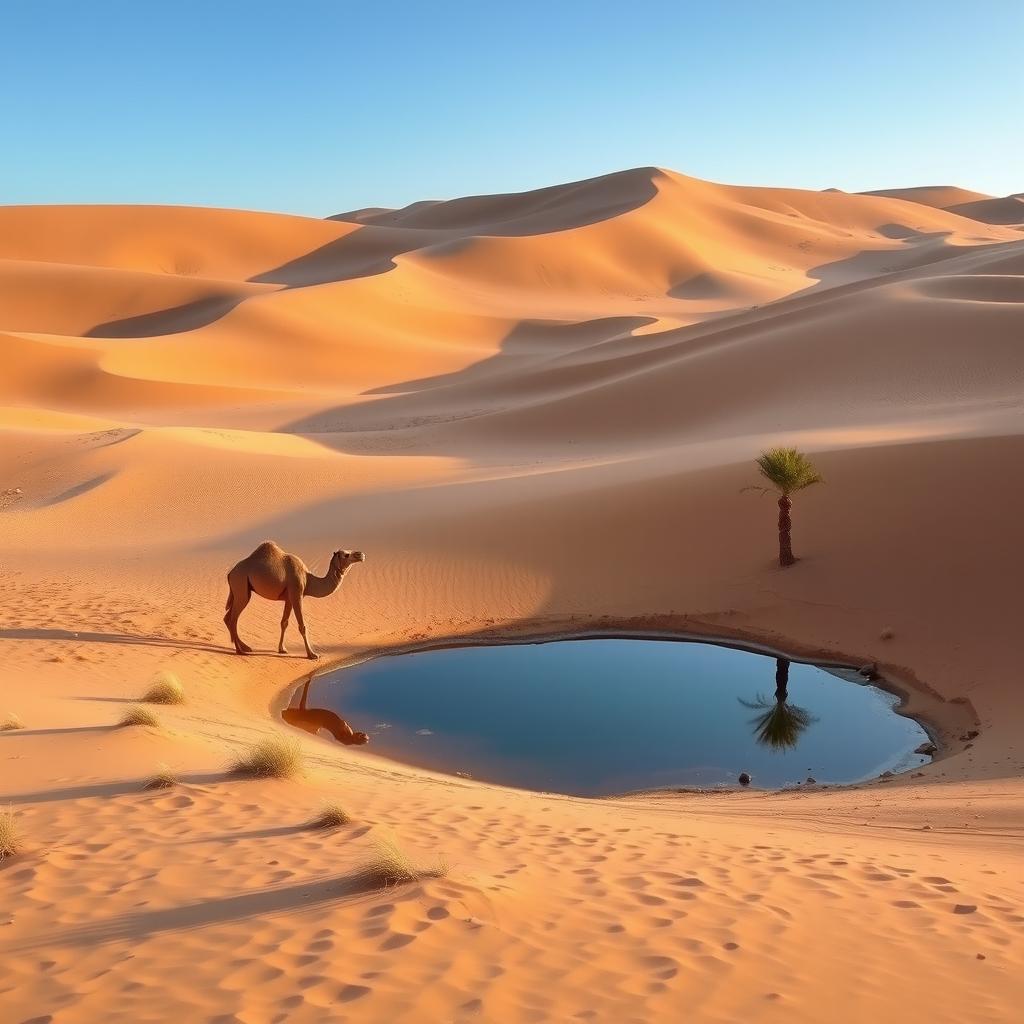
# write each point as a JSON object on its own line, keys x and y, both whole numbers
{"x": 163, "y": 779}
{"x": 11, "y": 842}
{"x": 138, "y": 715}
{"x": 11, "y": 722}
{"x": 390, "y": 865}
{"x": 331, "y": 815}
{"x": 165, "y": 690}
{"x": 273, "y": 758}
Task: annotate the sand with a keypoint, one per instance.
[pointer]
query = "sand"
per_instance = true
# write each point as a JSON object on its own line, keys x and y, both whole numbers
{"x": 536, "y": 414}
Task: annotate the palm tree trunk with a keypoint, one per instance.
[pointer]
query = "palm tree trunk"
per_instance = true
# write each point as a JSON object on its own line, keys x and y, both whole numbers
{"x": 785, "y": 526}
{"x": 781, "y": 679}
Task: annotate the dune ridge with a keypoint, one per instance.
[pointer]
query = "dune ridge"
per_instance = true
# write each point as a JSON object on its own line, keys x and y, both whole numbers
{"x": 537, "y": 413}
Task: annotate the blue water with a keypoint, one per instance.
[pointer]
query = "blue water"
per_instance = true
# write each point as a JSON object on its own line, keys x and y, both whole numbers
{"x": 606, "y": 716}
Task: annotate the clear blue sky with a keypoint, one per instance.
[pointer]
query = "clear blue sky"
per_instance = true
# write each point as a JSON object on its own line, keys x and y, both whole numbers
{"x": 317, "y": 107}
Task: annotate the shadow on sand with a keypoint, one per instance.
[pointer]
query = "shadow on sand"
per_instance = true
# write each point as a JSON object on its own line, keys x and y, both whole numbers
{"x": 133, "y": 927}
{"x": 86, "y": 637}
{"x": 121, "y": 787}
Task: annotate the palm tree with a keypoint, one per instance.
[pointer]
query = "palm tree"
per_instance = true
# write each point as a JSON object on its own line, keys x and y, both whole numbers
{"x": 787, "y": 470}
{"x": 780, "y": 724}
{"x": 781, "y": 679}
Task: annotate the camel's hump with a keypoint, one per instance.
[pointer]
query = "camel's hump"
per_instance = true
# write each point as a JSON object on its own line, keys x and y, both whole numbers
{"x": 268, "y": 547}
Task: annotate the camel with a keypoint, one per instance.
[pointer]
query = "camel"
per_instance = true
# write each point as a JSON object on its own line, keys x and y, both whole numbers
{"x": 278, "y": 576}
{"x": 315, "y": 719}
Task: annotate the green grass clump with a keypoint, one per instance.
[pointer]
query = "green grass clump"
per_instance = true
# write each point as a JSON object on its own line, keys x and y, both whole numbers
{"x": 11, "y": 842}
{"x": 11, "y": 722}
{"x": 164, "y": 778}
{"x": 273, "y": 758}
{"x": 165, "y": 690}
{"x": 331, "y": 815}
{"x": 138, "y": 715}
{"x": 390, "y": 865}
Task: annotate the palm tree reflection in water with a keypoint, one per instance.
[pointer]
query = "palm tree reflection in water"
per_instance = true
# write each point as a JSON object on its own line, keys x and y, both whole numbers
{"x": 780, "y": 724}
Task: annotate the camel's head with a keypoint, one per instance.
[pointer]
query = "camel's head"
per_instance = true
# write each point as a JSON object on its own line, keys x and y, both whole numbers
{"x": 343, "y": 559}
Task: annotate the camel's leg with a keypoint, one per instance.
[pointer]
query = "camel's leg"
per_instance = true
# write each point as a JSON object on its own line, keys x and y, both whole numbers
{"x": 296, "y": 600}
{"x": 240, "y": 595}
{"x": 284, "y": 625}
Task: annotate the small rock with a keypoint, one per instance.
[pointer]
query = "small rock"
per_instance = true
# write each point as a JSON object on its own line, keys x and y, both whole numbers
{"x": 886, "y": 634}
{"x": 869, "y": 671}
{"x": 969, "y": 735}
{"x": 926, "y": 828}
{"x": 744, "y": 779}
{"x": 981, "y": 956}
{"x": 811, "y": 781}
{"x": 926, "y": 748}
{"x": 886, "y": 775}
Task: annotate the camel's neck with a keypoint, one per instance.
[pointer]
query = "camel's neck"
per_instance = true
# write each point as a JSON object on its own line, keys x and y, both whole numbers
{"x": 322, "y": 586}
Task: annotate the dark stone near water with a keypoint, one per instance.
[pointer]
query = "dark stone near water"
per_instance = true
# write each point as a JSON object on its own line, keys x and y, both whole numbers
{"x": 969, "y": 735}
{"x": 869, "y": 671}
{"x": 926, "y": 748}
{"x": 744, "y": 779}
{"x": 811, "y": 781}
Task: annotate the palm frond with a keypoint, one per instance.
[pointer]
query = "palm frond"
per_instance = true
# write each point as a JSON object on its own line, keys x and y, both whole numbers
{"x": 788, "y": 470}
{"x": 780, "y": 725}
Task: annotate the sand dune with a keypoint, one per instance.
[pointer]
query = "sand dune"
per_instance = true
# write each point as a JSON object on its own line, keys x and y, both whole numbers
{"x": 974, "y": 205}
{"x": 537, "y": 414}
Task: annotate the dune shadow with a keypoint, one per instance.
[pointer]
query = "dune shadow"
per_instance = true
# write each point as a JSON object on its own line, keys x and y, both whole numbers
{"x": 1005, "y": 210}
{"x": 537, "y": 360}
{"x": 705, "y": 286}
{"x": 174, "y": 320}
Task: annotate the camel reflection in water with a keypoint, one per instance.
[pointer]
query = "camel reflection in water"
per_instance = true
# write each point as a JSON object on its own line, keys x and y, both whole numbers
{"x": 314, "y": 719}
{"x": 780, "y": 724}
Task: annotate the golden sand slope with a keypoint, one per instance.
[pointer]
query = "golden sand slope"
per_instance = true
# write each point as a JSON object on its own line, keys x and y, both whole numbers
{"x": 536, "y": 413}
